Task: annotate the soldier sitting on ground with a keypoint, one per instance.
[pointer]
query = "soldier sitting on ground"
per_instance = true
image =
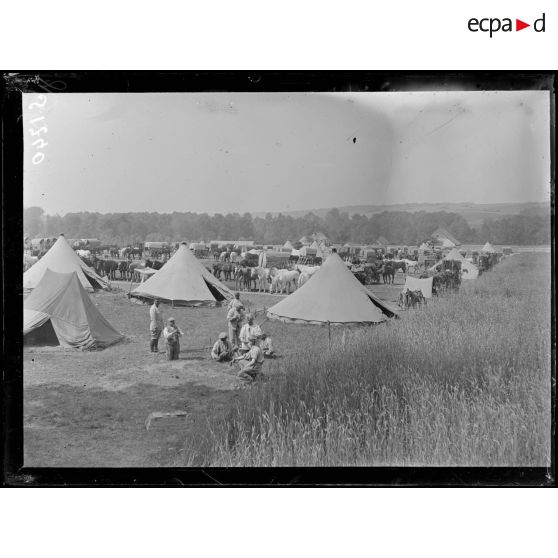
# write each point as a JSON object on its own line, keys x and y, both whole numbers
{"x": 251, "y": 363}
{"x": 223, "y": 349}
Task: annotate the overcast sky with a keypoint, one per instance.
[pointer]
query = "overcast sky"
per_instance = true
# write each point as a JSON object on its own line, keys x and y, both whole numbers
{"x": 225, "y": 152}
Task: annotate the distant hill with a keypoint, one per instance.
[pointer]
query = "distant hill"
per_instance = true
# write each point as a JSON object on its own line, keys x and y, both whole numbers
{"x": 473, "y": 213}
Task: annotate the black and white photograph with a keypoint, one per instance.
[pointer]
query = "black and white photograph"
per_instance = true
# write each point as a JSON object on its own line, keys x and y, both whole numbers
{"x": 340, "y": 277}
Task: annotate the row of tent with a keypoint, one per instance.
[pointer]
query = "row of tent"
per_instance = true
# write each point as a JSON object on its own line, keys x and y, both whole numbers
{"x": 185, "y": 281}
{"x": 59, "y": 307}
{"x": 59, "y": 304}
{"x": 468, "y": 269}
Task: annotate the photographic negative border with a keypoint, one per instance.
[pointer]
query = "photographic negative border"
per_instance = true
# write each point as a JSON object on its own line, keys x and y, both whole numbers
{"x": 227, "y": 81}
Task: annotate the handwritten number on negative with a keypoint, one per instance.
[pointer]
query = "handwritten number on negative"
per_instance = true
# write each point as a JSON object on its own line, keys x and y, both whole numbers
{"x": 39, "y": 103}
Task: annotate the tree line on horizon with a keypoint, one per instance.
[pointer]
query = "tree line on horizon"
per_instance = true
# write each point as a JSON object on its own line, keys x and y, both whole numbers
{"x": 398, "y": 227}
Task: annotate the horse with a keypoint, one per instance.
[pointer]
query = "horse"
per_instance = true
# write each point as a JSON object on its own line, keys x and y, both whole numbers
{"x": 136, "y": 252}
{"x": 156, "y": 264}
{"x": 306, "y": 271}
{"x": 123, "y": 269}
{"x": 107, "y": 268}
{"x": 410, "y": 299}
{"x": 416, "y": 298}
{"x": 388, "y": 273}
{"x": 261, "y": 274}
{"x": 242, "y": 277}
{"x": 399, "y": 264}
{"x": 227, "y": 269}
{"x": 412, "y": 266}
{"x": 132, "y": 273}
{"x": 217, "y": 269}
{"x": 287, "y": 280}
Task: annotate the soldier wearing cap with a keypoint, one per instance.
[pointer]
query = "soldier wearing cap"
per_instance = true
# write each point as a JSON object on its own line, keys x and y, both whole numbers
{"x": 172, "y": 334}
{"x": 236, "y": 303}
{"x": 251, "y": 363}
{"x": 234, "y": 317}
{"x": 223, "y": 349}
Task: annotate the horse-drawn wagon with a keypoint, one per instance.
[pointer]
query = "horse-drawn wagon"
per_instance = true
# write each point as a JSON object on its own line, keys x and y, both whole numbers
{"x": 278, "y": 259}
{"x": 156, "y": 249}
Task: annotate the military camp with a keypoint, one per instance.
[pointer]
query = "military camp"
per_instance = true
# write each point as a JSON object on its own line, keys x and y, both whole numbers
{"x": 244, "y": 280}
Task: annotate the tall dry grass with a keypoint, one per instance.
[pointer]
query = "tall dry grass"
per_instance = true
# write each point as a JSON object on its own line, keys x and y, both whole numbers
{"x": 464, "y": 382}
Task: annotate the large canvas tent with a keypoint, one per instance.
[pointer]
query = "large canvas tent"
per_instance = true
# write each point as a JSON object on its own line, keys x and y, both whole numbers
{"x": 332, "y": 295}
{"x": 183, "y": 281}
{"x": 62, "y": 259}
{"x": 60, "y": 311}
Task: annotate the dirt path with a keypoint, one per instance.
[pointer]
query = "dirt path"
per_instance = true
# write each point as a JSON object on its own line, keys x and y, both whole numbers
{"x": 77, "y": 417}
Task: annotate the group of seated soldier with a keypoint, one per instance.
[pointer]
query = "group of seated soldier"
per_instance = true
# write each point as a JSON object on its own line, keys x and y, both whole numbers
{"x": 255, "y": 345}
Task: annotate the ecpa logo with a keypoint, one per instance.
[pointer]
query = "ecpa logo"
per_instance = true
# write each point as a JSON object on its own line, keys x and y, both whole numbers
{"x": 494, "y": 24}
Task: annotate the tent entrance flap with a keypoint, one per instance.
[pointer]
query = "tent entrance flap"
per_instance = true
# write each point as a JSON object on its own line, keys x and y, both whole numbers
{"x": 93, "y": 282}
{"x": 383, "y": 308}
{"x": 44, "y": 335}
{"x": 219, "y": 297}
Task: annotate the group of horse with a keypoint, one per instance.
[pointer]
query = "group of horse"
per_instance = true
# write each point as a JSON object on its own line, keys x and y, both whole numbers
{"x": 442, "y": 281}
{"x": 446, "y": 280}
{"x": 411, "y": 299}
{"x": 384, "y": 271}
{"x": 123, "y": 270}
{"x": 262, "y": 279}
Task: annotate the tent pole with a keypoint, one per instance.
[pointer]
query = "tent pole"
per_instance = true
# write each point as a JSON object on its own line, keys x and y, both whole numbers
{"x": 329, "y": 334}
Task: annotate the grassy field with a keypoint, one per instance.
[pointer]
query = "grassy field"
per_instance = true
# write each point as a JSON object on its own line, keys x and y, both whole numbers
{"x": 89, "y": 409}
{"x": 464, "y": 382}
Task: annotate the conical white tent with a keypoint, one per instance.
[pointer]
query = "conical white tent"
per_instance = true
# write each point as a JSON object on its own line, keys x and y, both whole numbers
{"x": 489, "y": 249}
{"x": 60, "y": 310}
{"x": 332, "y": 295}
{"x": 183, "y": 281}
{"x": 468, "y": 269}
{"x": 62, "y": 259}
